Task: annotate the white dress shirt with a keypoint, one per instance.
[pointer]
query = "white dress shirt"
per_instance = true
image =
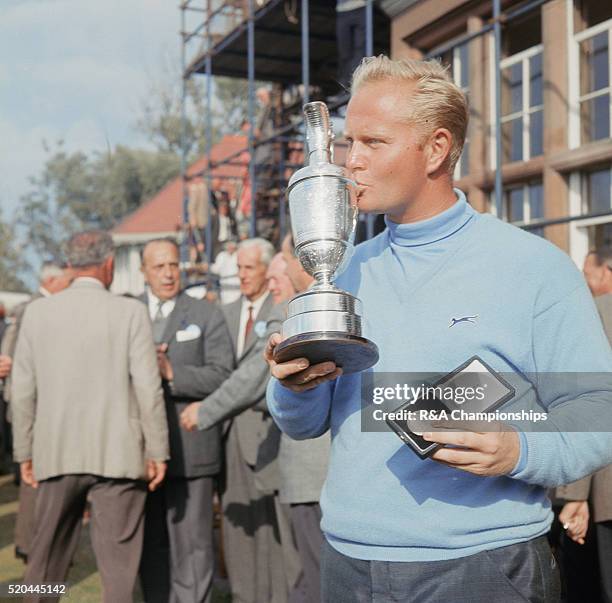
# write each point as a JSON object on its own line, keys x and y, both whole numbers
{"x": 166, "y": 306}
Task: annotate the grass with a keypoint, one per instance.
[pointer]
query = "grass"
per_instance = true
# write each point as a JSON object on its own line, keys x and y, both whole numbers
{"x": 83, "y": 578}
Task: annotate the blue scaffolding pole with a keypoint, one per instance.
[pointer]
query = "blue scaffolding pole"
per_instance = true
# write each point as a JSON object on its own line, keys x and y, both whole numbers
{"x": 251, "y": 113}
{"x": 184, "y": 243}
{"x": 369, "y": 22}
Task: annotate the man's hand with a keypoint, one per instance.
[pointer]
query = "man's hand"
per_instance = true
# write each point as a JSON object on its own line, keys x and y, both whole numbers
{"x": 575, "y": 519}
{"x": 165, "y": 368}
{"x": 27, "y": 474}
{"x": 297, "y": 375}
{"x": 5, "y": 366}
{"x": 156, "y": 471}
{"x": 491, "y": 453}
{"x": 189, "y": 416}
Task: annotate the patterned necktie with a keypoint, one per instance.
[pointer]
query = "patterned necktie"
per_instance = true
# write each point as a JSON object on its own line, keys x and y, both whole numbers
{"x": 159, "y": 324}
{"x": 249, "y": 325}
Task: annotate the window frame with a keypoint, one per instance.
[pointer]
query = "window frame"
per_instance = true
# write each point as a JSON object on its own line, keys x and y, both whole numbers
{"x": 526, "y": 111}
{"x": 584, "y": 189}
{"x": 576, "y": 38}
{"x": 456, "y": 66}
{"x": 524, "y": 186}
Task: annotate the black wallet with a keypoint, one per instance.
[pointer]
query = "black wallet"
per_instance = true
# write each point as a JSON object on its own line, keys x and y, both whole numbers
{"x": 474, "y": 371}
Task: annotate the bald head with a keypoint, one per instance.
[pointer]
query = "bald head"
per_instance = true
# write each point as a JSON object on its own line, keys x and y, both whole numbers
{"x": 279, "y": 283}
{"x": 160, "y": 268}
{"x": 300, "y": 279}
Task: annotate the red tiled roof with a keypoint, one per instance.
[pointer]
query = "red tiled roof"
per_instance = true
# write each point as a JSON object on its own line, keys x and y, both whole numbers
{"x": 163, "y": 212}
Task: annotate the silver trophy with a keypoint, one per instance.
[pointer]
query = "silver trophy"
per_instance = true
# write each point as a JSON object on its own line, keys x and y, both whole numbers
{"x": 324, "y": 322}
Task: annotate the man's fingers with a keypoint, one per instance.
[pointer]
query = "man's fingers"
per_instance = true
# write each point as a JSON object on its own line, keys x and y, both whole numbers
{"x": 160, "y": 472}
{"x": 315, "y": 382}
{"x": 28, "y": 479}
{"x": 287, "y": 369}
{"x": 456, "y": 457}
{"x": 304, "y": 376}
{"x": 273, "y": 341}
{"x": 465, "y": 439}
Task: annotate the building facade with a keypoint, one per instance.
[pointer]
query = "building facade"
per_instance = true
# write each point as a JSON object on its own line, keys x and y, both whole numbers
{"x": 556, "y": 105}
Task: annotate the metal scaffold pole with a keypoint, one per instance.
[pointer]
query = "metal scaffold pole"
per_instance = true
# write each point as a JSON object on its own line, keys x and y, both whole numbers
{"x": 498, "y": 125}
{"x": 305, "y": 51}
{"x": 369, "y": 28}
{"x": 251, "y": 113}
{"x": 184, "y": 242}
{"x": 209, "y": 241}
{"x": 282, "y": 209}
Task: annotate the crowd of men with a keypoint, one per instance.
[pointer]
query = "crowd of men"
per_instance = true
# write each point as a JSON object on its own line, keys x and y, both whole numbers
{"x": 145, "y": 408}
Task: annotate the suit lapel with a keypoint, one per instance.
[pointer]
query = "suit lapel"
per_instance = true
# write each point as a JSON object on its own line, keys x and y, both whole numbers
{"x": 232, "y": 317}
{"x": 177, "y": 319}
{"x": 262, "y": 315}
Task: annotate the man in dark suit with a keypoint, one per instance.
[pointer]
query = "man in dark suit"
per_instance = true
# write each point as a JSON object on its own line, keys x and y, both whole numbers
{"x": 195, "y": 356}
{"x": 595, "y": 489}
{"x": 254, "y": 526}
{"x": 3, "y": 324}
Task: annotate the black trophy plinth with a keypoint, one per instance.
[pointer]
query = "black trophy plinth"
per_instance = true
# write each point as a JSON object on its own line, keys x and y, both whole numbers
{"x": 349, "y": 352}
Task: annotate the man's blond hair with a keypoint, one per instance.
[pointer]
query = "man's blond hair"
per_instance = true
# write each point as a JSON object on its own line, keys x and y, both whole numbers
{"x": 435, "y": 103}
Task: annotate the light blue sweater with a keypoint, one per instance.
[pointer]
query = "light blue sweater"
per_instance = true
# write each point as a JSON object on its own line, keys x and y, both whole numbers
{"x": 535, "y": 315}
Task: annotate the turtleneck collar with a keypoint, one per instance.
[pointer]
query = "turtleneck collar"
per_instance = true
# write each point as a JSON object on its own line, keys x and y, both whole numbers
{"x": 433, "y": 229}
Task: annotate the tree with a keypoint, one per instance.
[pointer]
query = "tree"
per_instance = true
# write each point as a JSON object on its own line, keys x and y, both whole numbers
{"x": 232, "y": 94}
{"x": 12, "y": 261}
{"x": 77, "y": 191}
{"x": 162, "y": 120}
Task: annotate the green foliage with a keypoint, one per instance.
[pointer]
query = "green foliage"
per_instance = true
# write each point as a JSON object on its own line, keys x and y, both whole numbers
{"x": 12, "y": 262}
{"x": 77, "y": 191}
{"x": 232, "y": 94}
{"x": 161, "y": 119}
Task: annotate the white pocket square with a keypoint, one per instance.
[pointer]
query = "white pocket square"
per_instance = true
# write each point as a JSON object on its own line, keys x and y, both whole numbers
{"x": 188, "y": 334}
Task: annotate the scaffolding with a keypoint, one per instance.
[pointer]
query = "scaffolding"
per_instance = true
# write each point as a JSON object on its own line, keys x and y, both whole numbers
{"x": 291, "y": 45}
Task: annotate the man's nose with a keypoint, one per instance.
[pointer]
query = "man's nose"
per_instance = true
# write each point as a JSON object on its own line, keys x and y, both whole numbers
{"x": 354, "y": 159}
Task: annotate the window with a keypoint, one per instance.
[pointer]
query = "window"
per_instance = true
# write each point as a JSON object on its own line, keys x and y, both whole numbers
{"x": 593, "y": 40}
{"x": 591, "y": 12}
{"x": 524, "y": 203}
{"x": 597, "y": 191}
{"x": 600, "y": 235}
{"x": 522, "y": 33}
{"x": 522, "y": 105}
{"x": 458, "y": 61}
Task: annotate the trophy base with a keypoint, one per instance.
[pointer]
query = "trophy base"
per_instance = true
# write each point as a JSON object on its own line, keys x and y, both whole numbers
{"x": 349, "y": 352}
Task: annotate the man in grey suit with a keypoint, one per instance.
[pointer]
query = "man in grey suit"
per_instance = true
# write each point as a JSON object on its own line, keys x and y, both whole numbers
{"x": 303, "y": 468}
{"x": 254, "y": 524}
{"x": 88, "y": 420}
{"x": 53, "y": 279}
{"x": 596, "y": 488}
{"x": 194, "y": 356}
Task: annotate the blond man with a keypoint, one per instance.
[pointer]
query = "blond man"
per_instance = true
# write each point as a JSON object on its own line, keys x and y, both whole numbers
{"x": 468, "y": 524}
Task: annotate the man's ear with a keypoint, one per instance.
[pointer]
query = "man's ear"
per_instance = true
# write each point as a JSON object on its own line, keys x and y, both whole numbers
{"x": 109, "y": 265}
{"x": 438, "y": 149}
